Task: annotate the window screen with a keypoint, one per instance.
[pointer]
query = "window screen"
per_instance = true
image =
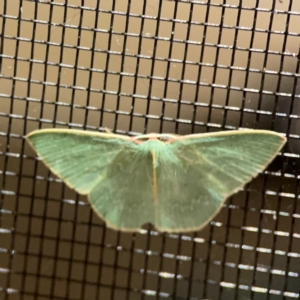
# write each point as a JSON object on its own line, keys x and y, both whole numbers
{"x": 142, "y": 66}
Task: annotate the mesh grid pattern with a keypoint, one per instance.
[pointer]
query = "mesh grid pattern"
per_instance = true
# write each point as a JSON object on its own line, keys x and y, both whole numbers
{"x": 135, "y": 67}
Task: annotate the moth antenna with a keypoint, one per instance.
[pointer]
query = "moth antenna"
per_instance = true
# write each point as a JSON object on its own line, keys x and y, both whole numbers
{"x": 107, "y": 130}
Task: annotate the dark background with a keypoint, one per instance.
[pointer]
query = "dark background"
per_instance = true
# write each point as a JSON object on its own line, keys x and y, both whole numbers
{"x": 138, "y": 67}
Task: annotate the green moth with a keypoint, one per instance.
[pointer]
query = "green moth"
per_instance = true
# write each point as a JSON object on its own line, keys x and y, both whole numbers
{"x": 178, "y": 183}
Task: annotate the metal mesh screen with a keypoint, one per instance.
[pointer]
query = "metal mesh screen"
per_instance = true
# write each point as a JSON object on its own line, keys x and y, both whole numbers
{"x": 147, "y": 66}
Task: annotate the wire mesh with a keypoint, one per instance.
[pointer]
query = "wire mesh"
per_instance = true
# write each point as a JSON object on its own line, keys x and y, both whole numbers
{"x": 135, "y": 67}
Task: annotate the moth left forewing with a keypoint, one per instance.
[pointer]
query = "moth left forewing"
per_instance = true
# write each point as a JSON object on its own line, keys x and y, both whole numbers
{"x": 213, "y": 166}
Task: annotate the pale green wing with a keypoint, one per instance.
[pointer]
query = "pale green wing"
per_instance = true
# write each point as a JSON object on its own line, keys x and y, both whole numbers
{"x": 107, "y": 167}
{"x": 212, "y": 167}
{"x": 125, "y": 198}
{"x": 78, "y": 157}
